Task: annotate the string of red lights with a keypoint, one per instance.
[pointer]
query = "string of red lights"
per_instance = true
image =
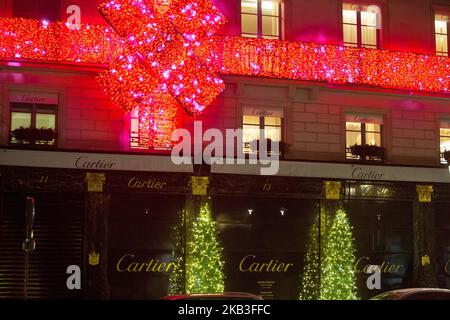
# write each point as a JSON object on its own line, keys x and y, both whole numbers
{"x": 163, "y": 57}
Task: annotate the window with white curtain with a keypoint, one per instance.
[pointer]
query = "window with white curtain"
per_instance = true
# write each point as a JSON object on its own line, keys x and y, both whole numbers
{"x": 363, "y": 129}
{"x": 255, "y": 120}
{"x": 441, "y": 28}
{"x": 261, "y": 19}
{"x": 444, "y": 137}
{"x": 361, "y": 26}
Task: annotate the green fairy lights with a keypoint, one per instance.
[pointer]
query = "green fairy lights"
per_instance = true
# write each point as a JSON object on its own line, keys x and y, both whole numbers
{"x": 338, "y": 275}
{"x": 204, "y": 265}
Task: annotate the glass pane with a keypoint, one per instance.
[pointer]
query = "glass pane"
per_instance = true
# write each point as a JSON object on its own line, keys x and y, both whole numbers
{"x": 350, "y": 34}
{"x": 250, "y": 133}
{"x": 356, "y": 126}
{"x": 373, "y": 139}
{"x": 369, "y": 19}
{"x": 369, "y": 36}
{"x": 273, "y": 133}
{"x": 272, "y": 121}
{"x": 353, "y": 138}
{"x": 441, "y": 43}
{"x": 270, "y": 8}
{"x": 47, "y": 121}
{"x": 445, "y": 132}
{"x": 134, "y": 127}
{"x": 249, "y": 24}
{"x": 349, "y": 16}
{"x": 270, "y": 26}
{"x": 445, "y": 144}
{"x": 20, "y": 119}
{"x": 250, "y": 120}
{"x": 440, "y": 26}
{"x": 373, "y": 127}
{"x": 249, "y": 6}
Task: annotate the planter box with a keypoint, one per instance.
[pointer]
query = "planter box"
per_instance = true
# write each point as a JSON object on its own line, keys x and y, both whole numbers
{"x": 368, "y": 152}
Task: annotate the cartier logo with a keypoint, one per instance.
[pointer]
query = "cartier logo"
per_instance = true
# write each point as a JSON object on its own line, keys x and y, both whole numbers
{"x": 152, "y": 184}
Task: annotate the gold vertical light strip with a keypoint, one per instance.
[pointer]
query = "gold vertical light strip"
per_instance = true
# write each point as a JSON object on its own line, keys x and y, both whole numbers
{"x": 424, "y": 193}
{"x": 95, "y": 181}
{"x": 199, "y": 186}
{"x": 332, "y": 190}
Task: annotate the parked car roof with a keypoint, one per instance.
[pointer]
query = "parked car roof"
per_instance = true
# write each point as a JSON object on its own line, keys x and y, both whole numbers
{"x": 215, "y": 296}
{"x": 415, "y": 294}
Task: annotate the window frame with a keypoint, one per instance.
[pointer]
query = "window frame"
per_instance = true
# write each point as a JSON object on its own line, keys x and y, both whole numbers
{"x": 33, "y": 109}
{"x": 262, "y": 126}
{"x": 363, "y": 132}
{"x": 259, "y": 18}
{"x": 441, "y": 153}
{"x": 443, "y": 13}
{"x": 359, "y": 25}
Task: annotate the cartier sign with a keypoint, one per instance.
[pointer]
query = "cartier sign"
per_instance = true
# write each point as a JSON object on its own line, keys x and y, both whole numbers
{"x": 89, "y": 163}
{"x": 367, "y": 173}
{"x": 33, "y": 98}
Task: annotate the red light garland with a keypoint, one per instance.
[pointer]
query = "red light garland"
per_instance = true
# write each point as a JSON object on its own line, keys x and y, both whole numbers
{"x": 167, "y": 60}
{"x": 164, "y": 56}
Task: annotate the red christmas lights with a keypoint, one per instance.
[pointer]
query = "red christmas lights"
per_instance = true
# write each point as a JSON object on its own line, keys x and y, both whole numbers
{"x": 43, "y": 41}
{"x": 170, "y": 59}
{"x": 163, "y": 54}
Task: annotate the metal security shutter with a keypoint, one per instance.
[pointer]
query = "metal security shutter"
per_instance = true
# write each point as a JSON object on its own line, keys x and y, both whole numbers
{"x": 58, "y": 231}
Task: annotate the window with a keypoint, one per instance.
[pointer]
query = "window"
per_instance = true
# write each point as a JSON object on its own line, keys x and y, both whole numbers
{"x": 254, "y": 120}
{"x": 441, "y": 28}
{"x": 363, "y": 130}
{"x": 361, "y": 26}
{"x": 37, "y": 9}
{"x": 260, "y": 19}
{"x": 444, "y": 138}
{"x": 33, "y": 124}
{"x": 134, "y": 132}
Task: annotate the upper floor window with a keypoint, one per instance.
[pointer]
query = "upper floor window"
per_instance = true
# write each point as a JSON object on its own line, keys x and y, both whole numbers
{"x": 261, "y": 19}
{"x": 134, "y": 130}
{"x": 33, "y": 124}
{"x": 364, "y": 139}
{"x": 361, "y": 26}
{"x": 255, "y": 121}
{"x": 37, "y": 9}
{"x": 441, "y": 28}
{"x": 444, "y": 135}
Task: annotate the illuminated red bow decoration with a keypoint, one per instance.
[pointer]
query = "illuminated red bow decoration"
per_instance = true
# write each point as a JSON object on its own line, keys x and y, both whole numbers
{"x": 169, "y": 60}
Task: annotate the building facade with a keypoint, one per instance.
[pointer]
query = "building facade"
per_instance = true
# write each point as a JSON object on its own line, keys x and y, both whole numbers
{"x": 107, "y": 202}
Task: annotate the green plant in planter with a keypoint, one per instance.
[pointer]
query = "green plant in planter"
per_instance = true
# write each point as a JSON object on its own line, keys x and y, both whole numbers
{"x": 31, "y": 135}
{"x": 282, "y": 146}
{"x": 367, "y": 151}
{"x": 21, "y": 134}
{"x": 447, "y": 155}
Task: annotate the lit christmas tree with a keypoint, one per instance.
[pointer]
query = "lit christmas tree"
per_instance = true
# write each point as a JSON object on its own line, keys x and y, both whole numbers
{"x": 204, "y": 264}
{"x": 177, "y": 278}
{"x": 310, "y": 282}
{"x": 339, "y": 278}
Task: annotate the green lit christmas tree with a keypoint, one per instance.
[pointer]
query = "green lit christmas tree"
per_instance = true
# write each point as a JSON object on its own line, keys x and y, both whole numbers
{"x": 177, "y": 278}
{"x": 204, "y": 264}
{"x": 310, "y": 282}
{"x": 338, "y": 274}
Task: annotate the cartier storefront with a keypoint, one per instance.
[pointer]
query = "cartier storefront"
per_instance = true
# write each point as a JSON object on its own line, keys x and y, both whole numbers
{"x": 118, "y": 223}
